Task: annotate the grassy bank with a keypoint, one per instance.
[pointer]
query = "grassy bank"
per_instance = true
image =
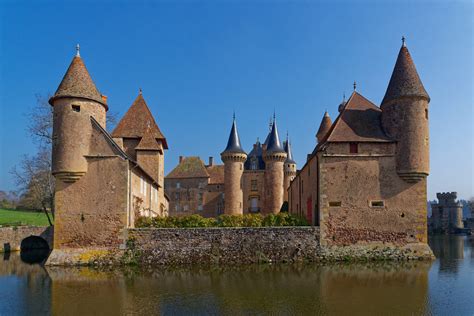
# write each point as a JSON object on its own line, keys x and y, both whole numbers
{"x": 17, "y": 218}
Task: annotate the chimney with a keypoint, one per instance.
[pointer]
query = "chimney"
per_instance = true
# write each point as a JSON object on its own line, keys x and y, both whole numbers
{"x": 211, "y": 161}
{"x": 180, "y": 159}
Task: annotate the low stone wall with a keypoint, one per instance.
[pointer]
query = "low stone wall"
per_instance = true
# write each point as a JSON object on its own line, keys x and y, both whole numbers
{"x": 223, "y": 245}
{"x": 11, "y": 237}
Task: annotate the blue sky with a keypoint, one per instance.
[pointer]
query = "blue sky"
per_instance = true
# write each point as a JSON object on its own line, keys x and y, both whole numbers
{"x": 197, "y": 62}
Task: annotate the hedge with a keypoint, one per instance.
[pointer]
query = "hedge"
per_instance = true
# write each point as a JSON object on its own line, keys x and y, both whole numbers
{"x": 247, "y": 220}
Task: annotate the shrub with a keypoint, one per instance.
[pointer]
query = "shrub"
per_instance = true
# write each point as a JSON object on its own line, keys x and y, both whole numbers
{"x": 247, "y": 220}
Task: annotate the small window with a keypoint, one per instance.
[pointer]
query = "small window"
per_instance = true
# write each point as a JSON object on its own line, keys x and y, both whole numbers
{"x": 353, "y": 148}
{"x": 377, "y": 203}
{"x": 335, "y": 203}
{"x": 76, "y": 108}
{"x": 241, "y": 166}
{"x": 254, "y": 185}
{"x": 426, "y": 113}
{"x": 178, "y": 185}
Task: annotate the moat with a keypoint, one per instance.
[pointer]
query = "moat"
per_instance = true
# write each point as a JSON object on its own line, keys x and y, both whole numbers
{"x": 442, "y": 287}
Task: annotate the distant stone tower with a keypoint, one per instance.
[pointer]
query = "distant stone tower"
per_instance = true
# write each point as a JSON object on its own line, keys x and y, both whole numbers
{"x": 447, "y": 213}
{"x": 233, "y": 157}
{"x": 289, "y": 169}
{"x": 324, "y": 127}
{"x": 75, "y": 101}
{"x": 274, "y": 156}
{"x": 405, "y": 118}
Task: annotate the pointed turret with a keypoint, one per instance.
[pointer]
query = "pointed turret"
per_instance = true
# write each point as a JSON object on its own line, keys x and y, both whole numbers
{"x": 290, "y": 168}
{"x": 77, "y": 83}
{"x": 324, "y": 127}
{"x": 405, "y": 81}
{"x": 233, "y": 144}
{"x": 233, "y": 157}
{"x": 273, "y": 143}
{"x": 405, "y": 118}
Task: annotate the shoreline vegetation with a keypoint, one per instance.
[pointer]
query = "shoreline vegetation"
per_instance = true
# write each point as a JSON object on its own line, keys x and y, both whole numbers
{"x": 10, "y": 217}
{"x": 247, "y": 220}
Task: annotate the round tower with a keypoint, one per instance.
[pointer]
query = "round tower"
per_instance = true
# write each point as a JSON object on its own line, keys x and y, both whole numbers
{"x": 274, "y": 156}
{"x": 75, "y": 102}
{"x": 233, "y": 157}
{"x": 324, "y": 127}
{"x": 405, "y": 118}
{"x": 289, "y": 169}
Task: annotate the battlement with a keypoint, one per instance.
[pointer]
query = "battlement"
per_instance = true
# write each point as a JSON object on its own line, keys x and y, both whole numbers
{"x": 447, "y": 197}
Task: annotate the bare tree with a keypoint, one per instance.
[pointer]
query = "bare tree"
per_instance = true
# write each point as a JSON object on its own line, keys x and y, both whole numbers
{"x": 33, "y": 174}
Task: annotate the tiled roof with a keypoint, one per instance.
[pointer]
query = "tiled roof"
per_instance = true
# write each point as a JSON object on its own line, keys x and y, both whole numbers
{"x": 255, "y": 155}
{"x": 405, "y": 81}
{"x": 78, "y": 83}
{"x": 148, "y": 141}
{"x": 324, "y": 126}
{"x": 289, "y": 152}
{"x": 358, "y": 122}
{"x": 189, "y": 167}
{"x": 233, "y": 144}
{"x": 216, "y": 174}
{"x": 136, "y": 121}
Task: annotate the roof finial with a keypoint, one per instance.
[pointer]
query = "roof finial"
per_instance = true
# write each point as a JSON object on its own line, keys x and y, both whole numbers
{"x": 355, "y": 85}
{"x": 403, "y": 41}
{"x": 287, "y": 137}
{"x": 270, "y": 124}
{"x": 233, "y": 116}
{"x": 274, "y": 116}
{"x": 140, "y": 90}
{"x": 344, "y": 97}
{"x": 78, "y": 53}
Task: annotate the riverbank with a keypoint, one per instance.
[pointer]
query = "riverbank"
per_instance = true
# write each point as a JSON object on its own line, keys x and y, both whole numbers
{"x": 232, "y": 246}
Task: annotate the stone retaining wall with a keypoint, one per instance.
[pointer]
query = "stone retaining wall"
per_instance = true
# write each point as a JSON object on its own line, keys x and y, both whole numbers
{"x": 11, "y": 237}
{"x": 223, "y": 245}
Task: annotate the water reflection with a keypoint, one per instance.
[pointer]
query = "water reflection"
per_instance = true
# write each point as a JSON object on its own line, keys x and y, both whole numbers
{"x": 341, "y": 289}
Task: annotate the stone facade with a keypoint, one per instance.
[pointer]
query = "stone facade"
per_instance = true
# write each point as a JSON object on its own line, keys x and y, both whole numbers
{"x": 12, "y": 237}
{"x": 100, "y": 188}
{"x": 447, "y": 214}
{"x": 274, "y": 184}
{"x": 365, "y": 181}
{"x": 233, "y": 194}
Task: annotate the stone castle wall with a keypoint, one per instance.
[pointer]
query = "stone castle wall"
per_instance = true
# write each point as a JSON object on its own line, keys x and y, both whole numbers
{"x": 233, "y": 195}
{"x": 11, "y": 237}
{"x": 273, "y": 186}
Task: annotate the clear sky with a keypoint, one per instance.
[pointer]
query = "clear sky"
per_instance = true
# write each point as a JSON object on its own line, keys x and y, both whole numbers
{"x": 198, "y": 61}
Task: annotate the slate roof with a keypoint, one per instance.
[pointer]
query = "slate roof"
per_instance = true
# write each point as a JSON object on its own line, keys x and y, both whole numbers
{"x": 405, "y": 81}
{"x": 358, "y": 122}
{"x": 233, "y": 144}
{"x": 216, "y": 174}
{"x": 136, "y": 121}
{"x": 189, "y": 167}
{"x": 289, "y": 157}
{"x": 255, "y": 153}
{"x": 324, "y": 126}
{"x": 274, "y": 145}
{"x": 78, "y": 83}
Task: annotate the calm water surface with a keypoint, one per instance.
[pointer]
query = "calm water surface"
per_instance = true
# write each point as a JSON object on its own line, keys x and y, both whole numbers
{"x": 443, "y": 287}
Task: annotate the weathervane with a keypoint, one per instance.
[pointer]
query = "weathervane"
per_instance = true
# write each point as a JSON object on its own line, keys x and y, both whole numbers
{"x": 78, "y": 54}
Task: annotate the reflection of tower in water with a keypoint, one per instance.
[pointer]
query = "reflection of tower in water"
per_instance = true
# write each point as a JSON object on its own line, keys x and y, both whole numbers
{"x": 448, "y": 249}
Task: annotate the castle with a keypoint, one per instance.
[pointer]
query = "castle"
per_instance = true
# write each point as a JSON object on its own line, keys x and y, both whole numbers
{"x": 446, "y": 214}
{"x": 365, "y": 180}
{"x": 102, "y": 180}
{"x": 256, "y": 182}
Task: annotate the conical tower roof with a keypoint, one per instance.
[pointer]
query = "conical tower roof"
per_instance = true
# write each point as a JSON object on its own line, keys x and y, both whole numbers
{"x": 289, "y": 157}
{"x": 324, "y": 127}
{"x": 137, "y": 120}
{"x": 274, "y": 145}
{"x": 405, "y": 81}
{"x": 77, "y": 83}
{"x": 233, "y": 144}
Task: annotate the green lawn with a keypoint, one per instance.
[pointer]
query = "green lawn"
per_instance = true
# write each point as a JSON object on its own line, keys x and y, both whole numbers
{"x": 17, "y": 218}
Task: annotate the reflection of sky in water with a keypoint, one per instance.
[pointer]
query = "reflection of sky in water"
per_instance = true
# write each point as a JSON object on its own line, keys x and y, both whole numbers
{"x": 443, "y": 287}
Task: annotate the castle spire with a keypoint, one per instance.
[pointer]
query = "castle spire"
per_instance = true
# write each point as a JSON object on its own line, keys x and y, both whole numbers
{"x": 77, "y": 83}
{"x": 274, "y": 144}
{"x": 233, "y": 144}
{"x": 78, "y": 53}
{"x": 324, "y": 127}
{"x": 289, "y": 152}
{"x": 404, "y": 81}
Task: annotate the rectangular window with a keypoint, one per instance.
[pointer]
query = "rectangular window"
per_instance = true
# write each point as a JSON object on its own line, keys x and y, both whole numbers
{"x": 353, "y": 148}
{"x": 253, "y": 185}
{"x": 335, "y": 203}
{"x": 76, "y": 108}
{"x": 178, "y": 185}
{"x": 377, "y": 203}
